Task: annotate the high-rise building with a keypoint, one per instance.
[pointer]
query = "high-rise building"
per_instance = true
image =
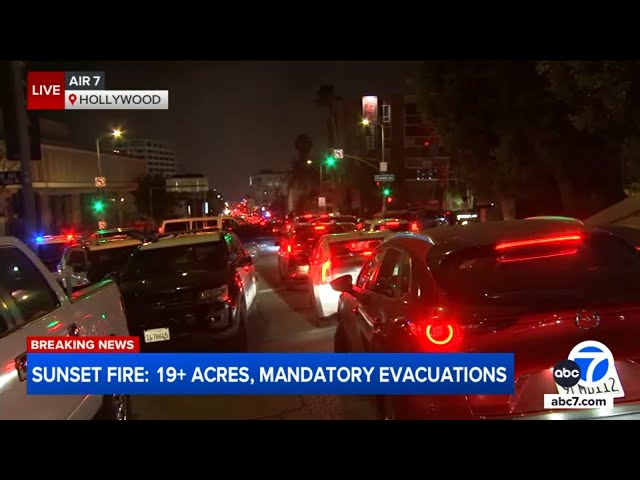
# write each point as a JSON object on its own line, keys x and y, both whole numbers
{"x": 159, "y": 155}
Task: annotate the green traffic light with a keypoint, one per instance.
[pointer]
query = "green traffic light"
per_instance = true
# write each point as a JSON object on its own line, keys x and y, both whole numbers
{"x": 330, "y": 161}
{"x": 386, "y": 192}
{"x": 98, "y": 206}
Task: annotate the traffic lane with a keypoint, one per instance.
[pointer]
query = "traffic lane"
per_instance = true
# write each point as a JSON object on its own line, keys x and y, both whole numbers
{"x": 284, "y": 323}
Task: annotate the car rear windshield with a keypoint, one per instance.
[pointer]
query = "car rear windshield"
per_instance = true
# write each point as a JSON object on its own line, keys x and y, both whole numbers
{"x": 393, "y": 226}
{"x": 209, "y": 256}
{"x": 601, "y": 269}
{"x": 353, "y": 248}
{"x": 105, "y": 261}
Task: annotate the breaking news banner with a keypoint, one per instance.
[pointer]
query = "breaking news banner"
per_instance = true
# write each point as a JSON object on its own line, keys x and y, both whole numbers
{"x": 87, "y": 91}
{"x": 59, "y": 372}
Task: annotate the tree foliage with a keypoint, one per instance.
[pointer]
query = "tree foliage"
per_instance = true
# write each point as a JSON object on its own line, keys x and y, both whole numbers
{"x": 519, "y": 126}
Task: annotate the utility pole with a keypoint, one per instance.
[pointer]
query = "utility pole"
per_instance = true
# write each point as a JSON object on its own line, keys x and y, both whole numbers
{"x": 22, "y": 124}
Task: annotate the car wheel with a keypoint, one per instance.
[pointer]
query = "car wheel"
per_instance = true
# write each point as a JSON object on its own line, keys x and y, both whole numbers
{"x": 340, "y": 340}
{"x": 114, "y": 407}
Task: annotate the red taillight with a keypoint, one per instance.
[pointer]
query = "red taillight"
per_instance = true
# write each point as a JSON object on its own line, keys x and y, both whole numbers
{"x": 70, "y": 237}
{"x": 325, "y": 272}
{"x": 414, "y": 227}
{"x": 359, "y": 226}
{"x": 538, "y": 248}
{"x": 288, "y": 248}
{"x": 320, "y": 227}
{"x": 392, "y": 224}
{"x": 367, "y": 254}
{"x": 439, "y": 333}
{"x": 561, "y": 240}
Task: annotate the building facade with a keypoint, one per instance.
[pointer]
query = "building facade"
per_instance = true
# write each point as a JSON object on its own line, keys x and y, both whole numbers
{"x": 160, "y": 157}
{"x": 65, "y": 191}
{"x": 268, "y": 186}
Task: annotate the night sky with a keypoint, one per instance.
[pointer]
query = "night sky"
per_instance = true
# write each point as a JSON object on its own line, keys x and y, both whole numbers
{"x": 229, "y": 119}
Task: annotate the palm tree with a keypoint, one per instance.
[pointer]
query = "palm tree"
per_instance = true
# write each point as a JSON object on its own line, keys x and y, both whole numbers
{"x": 326, "y": 97}
{"x": 302, "y": 177}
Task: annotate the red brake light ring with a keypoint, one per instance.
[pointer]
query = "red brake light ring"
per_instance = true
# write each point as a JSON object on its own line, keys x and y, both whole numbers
{"x": 439, "y": 333}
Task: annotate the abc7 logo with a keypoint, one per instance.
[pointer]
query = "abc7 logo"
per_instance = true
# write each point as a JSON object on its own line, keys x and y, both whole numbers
{"x": 566, "y": 373}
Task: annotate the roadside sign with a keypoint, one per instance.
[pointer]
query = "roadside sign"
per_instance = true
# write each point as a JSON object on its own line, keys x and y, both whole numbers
{"x": 102, "y": 225}
{"x": 338, "y": 153}
{"x": 100, "y": 182}
{"x": 383, "y": 167}
{"x": 10, "y": 178}
{"x": 322, "y": 201}
{"x": 385, "y": 178}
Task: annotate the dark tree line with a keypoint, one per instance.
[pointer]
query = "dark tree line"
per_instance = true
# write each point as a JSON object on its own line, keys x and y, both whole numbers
{"x": 570, "y": 129}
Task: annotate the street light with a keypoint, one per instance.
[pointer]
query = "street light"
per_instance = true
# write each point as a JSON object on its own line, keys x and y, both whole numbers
{"x": 309, "y": 162}
{"x": 115, "y": 133}
{"x": 366, "y": 122}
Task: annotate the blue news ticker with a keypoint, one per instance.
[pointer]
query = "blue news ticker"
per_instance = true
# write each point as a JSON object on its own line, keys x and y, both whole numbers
{"x": 270, "y": 373}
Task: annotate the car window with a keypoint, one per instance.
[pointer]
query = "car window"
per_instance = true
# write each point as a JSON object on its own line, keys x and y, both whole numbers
{"x": 234, "y": 249}
{"x": 106, "y": 261}
{"x": 198, "y": 224}
{"x": 26, "y": 285}
{"x": 237, "y": 245}
{"x": 211, "y": 223}
{"x": 389, "y": 281}
{"x": 599, "y": 269}
{"x": 77, "y": 256}
{"x": 176, "y": 227}
{"x": 367, "y": 274}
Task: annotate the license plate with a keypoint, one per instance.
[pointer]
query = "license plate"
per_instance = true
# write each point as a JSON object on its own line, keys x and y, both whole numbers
{"x": 611, "y": 386}
{"x": 156, "y": 335}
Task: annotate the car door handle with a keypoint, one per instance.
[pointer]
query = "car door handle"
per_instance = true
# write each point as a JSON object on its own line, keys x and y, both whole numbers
{"x": 21, "y": 366}
{"x": 74, "y": 331}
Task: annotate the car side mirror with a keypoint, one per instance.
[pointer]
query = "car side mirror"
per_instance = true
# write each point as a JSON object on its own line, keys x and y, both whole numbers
{"x": 343, "y": 284}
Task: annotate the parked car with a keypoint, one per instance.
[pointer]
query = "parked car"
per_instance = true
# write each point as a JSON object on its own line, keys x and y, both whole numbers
{"x": 192, "y": 290}
{"x": 35, "y": 304}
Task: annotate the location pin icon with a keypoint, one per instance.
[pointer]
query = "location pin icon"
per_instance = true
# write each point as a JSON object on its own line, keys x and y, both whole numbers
{"x": 73, "y": 98}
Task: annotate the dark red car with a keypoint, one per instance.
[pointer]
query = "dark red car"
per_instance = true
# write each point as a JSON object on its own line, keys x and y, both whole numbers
{"x": 534, "y": 288}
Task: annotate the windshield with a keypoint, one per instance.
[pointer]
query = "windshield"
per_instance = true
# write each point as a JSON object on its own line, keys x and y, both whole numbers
{"x": 353, "y": 248}
{"x": 201, "y": 257}
{"x": 50, "y": 254}
{"x": 601, "y": 269}
{"x": 105, "y": 261}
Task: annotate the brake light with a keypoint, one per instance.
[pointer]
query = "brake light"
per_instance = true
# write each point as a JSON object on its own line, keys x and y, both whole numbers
{"x": 562, "y": 240}
{"x": 392, "y": 224}
{"x": 70, "y": 237}
{"x": 438, "y": 333}
{"x": 288, "y": 248}
{"x": 325, "y": 271}
{"x": 367, "y": 254}
{"x": 359, "y": 226}
{"x": 414, "y": 227}
{"x": 320, "y": 227}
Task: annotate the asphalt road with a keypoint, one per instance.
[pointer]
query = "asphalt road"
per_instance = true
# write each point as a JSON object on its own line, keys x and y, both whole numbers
{"x": 285, "y": 323}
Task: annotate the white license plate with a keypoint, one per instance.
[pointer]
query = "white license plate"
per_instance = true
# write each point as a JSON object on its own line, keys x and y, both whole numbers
{"x": 611, "y": 386}
{"x": 156, "y": 335}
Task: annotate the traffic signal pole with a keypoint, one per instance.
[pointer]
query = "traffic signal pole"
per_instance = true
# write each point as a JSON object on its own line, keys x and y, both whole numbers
{"x": 384, "y": 199}
{"x": 22, "y": 123}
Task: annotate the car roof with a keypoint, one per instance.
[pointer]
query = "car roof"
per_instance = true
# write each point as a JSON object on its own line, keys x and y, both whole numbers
{"x": 106, "y": 244}
{"x": 190, "y": 238}
{"x": 359, "y": 235}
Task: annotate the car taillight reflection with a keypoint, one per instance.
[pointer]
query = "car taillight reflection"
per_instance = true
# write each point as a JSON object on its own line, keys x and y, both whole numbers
{"x": 414, "y": 227}
{"x": 325, "y": 272}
